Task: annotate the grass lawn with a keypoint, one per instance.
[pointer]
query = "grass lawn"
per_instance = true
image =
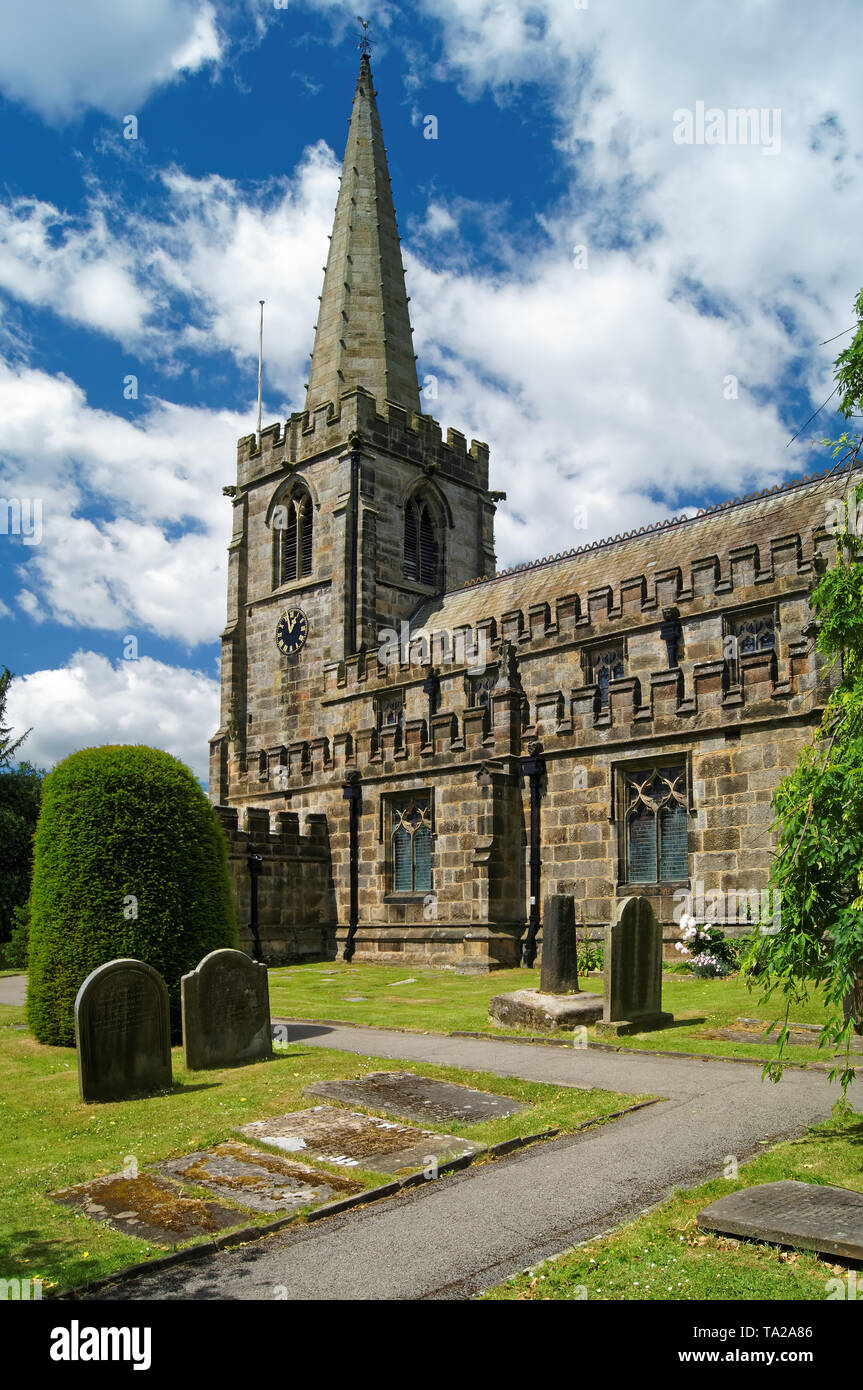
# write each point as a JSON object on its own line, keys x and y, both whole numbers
{"x": 441, "y": 1001}
{"x": 663, "y": 1256}
{"x": 51, "y": 1140}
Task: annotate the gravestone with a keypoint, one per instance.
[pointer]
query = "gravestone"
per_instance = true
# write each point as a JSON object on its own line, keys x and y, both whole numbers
{"x": 148, "y": 1207}
{"x": 801, "y": 1214}
{"x": 559, "y": 967}
{"x": 123, "y": 1032}
{"x": 410, "y": 1097}
{"x": 226, "y": 1011}
{"x": 259, "y": 1181}
{"x": 352, "y": 1140}
{"x": 633, "y": 972}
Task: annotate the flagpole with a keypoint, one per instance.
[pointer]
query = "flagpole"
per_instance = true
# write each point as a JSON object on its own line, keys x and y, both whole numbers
{"x": 260, "y": 366}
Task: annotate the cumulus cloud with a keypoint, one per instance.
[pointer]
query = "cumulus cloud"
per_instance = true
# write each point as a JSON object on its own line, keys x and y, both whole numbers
{"x": 63, "y": 59}
{"x": 154, "y": 559}
{"x": 91, "y": 701}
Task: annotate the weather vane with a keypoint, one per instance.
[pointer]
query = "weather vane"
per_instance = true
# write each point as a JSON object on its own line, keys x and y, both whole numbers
{"x": 364, "y": 44}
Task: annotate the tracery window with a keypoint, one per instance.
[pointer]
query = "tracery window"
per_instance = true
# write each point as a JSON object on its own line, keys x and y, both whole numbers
{"x": 411, "y": 840}
{"x": 654, "y": 825}
{"x": 292, "y": 530}
{"x": 751, "y": 632}
{"x": 606, "y": 665}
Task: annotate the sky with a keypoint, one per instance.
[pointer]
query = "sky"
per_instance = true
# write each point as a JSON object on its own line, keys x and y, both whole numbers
{"x": 624, "y": 289}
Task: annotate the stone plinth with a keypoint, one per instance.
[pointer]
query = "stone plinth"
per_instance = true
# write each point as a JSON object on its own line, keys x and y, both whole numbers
{"x": 531, "y": 1008}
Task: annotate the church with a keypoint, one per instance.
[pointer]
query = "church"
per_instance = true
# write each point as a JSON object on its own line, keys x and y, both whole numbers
{"x": 416, "y": 749}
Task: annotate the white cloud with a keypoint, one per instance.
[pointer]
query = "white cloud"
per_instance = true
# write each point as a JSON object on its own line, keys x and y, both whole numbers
{"x": 156, "y": 560}
{"x": 63, "y": 59}
{"x": 91, "y": 702}
{"x": 82, "y": 273}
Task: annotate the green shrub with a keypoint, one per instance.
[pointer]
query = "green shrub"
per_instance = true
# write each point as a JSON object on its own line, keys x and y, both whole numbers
{"x": 130, "y": 860}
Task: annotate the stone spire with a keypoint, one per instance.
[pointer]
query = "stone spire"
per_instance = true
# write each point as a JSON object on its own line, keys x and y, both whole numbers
{"x": 363, "y": 335}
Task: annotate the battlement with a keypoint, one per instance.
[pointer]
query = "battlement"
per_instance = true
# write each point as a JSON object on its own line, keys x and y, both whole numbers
{"x": 328, "y": 428}
{"x": 252, "y": 830}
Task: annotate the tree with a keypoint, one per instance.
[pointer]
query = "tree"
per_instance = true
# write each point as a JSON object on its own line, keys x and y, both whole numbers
{"x": 818, "y": 865}
{"x": 7, "y": 745}
{"x": 20, "y": 798}
{"x": 130, "y": 860}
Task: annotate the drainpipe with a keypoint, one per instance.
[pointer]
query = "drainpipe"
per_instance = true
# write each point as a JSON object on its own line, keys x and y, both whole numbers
{"x": 352, "y": 793}
{"x": 533, "y": 768}
{"x": 254, "y": 862}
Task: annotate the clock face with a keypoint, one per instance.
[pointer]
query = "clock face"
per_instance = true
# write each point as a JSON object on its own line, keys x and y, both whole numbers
{"x": 292, "y": 631}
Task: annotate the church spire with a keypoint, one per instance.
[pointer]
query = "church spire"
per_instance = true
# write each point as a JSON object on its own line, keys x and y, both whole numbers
{"x": 363, "y": 335}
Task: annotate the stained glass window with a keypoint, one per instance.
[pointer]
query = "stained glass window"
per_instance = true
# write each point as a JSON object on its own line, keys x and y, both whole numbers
{"x": 411, "y": 842}
{"x": 656, "y": 825}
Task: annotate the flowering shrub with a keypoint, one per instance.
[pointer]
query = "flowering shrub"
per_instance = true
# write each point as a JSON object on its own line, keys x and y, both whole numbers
{"x": 708, "y": 950}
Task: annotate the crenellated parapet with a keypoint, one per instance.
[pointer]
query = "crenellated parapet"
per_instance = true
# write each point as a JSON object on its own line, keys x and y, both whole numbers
{"x": 307, "y": 435}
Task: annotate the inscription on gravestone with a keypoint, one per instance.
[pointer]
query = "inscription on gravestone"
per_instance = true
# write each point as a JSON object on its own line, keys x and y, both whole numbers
{"x": 122, "y": 1032}
{"x": 226, "y": 1011}
{"x": 633, "y": 972}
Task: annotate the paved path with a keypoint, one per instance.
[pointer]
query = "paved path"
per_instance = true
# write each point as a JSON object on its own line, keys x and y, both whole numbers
{"x": 13, "y": 989}
{"x": 463, "y": 1233}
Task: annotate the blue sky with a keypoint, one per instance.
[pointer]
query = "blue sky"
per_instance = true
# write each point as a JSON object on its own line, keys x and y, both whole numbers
{"x": 634, "y": 323}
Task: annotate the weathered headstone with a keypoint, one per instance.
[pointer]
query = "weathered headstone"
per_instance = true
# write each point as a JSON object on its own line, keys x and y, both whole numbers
{"x": 633, "y": 972}
{"x": 805, "y": 1215}
{"x": 226, "y": 1011}
{"x": 559, "y": 968}
{"x": 123, "y": 1032}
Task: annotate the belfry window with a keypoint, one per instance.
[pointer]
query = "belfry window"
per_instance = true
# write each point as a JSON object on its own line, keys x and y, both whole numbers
{"x": 411, "y": 841}
{"x": 292, "y": 528}
{"x": 422, "y": 552}
{"x": 654, "y": 825}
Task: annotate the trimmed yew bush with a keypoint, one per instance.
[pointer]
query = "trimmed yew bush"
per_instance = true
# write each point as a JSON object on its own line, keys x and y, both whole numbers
{"x": 129, "y": 860}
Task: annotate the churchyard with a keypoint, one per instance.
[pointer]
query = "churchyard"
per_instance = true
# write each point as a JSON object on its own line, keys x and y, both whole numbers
{"x": 154, "y": 1154}
{"x": 435, "y": 1000}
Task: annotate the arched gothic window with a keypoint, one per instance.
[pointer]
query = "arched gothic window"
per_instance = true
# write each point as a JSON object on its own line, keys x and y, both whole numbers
{"x": 422, "y": 549}
{"x": 292, "y": 531}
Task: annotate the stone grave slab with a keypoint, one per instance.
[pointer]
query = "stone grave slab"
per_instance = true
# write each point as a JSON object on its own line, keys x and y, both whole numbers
{"x": 122, "y": 1032}
{"x": 804, "y": 1215}
{"x": 258, "y": 1181}
{"x": 751, "y": 1030}
{"x": 410, "y": 1097}
{"x": 226, "y": 1011}
{"x": 149, "y": 1208}
{"x": 357, "y": 1141}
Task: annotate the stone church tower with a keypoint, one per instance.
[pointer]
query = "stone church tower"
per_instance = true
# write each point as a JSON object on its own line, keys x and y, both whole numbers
{"x": 610, "y": 720}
